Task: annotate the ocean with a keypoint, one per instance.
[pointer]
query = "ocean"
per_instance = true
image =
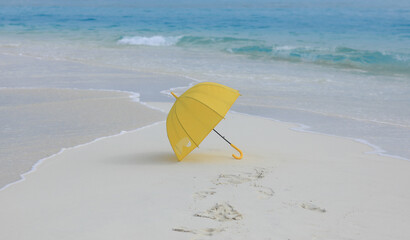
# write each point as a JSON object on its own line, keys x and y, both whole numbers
{"x": 334, "y": 67}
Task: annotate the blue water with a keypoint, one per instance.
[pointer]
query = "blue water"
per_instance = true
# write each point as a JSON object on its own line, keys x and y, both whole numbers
{"x": 370, "y": 36}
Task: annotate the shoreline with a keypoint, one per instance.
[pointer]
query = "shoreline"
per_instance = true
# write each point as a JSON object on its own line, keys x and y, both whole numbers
{"x": 304, "y": 128}
{"x": 40, "y": 161}
{"x": 376, "y": 150}
{"x": 323, "y": 186}
{"x": 153, "y": 84}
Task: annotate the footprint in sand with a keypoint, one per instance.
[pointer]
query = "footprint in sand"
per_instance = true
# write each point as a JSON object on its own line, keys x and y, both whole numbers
{"x": 201, "y": 232}
{"x": 265, "y": 192}
{"x": 251, "y": 177}
{"x": 235, "y": 179}
{"x": 203, "y": 194}
{"x": 312, "y": 207}
{"x": 221, "y": 212}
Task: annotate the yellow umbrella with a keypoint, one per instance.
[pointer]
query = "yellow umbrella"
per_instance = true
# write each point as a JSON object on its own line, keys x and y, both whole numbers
{"x": 196, "y": 113}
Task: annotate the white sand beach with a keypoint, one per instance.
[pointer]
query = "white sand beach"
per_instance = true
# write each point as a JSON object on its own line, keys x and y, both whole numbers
{"x": 289, "y": 185}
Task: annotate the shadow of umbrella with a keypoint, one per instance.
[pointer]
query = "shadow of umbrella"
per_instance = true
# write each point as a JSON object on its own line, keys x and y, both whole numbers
{"x": 146, "y": 158}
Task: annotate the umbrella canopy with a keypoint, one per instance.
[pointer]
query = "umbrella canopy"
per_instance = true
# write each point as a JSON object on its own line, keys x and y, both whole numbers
{"x": 195, "y": 114}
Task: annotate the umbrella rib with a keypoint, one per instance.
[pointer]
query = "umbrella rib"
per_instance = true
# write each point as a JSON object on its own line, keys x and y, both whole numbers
{"x": 204, "y": 105}
{"x": 176, "y": 114}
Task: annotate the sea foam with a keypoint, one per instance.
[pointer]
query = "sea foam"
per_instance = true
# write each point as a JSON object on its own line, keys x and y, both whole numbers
{"x": 149, "y": 41}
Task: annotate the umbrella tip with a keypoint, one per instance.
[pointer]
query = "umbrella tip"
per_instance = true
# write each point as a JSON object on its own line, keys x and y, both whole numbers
{"x": 173, "y": 94}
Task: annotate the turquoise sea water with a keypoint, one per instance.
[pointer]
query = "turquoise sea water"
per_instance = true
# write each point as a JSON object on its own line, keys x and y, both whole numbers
{"x": 359, "y": 36}
{"x": 336, "y": 67}
{"x": 372, "y": 38}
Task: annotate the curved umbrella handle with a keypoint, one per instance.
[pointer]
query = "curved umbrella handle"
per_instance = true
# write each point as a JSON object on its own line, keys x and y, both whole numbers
{"x": 237, "y": 149}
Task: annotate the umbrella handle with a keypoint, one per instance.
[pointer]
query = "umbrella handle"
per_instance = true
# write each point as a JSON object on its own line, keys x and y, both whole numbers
{"x": 239, "y": 150}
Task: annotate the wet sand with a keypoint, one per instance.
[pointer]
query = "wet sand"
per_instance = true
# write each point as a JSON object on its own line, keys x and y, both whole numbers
{"x": 37, "y": 123}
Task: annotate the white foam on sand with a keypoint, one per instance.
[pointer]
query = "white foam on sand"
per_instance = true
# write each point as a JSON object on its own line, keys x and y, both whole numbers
{"x": 167, "y": 92}
{"x": 149, "y": 41}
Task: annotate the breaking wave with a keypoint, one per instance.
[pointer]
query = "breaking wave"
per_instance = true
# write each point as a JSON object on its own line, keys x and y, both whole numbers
{"x": 149, "y": 41}
{"x": 346, "y": 57}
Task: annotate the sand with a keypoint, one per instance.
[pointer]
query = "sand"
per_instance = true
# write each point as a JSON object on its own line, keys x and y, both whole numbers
{"x": 289, "y": 185}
